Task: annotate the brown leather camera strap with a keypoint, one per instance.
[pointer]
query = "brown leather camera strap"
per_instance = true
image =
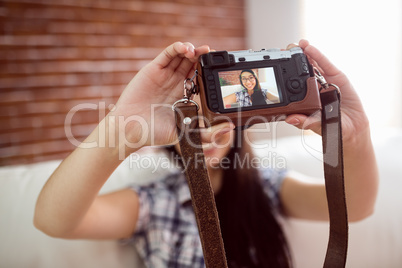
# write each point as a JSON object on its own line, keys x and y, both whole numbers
{"x": 203, "y": 197}
{"x": 331, "y": 128}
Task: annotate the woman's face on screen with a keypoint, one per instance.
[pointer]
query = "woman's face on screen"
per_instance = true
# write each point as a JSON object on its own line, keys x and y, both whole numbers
{"x": 248, "y": 80}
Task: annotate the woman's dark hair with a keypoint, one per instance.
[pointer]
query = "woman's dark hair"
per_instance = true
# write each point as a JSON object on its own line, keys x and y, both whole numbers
{"x": 257, "y": 98}
{"x": 251, "y": 234}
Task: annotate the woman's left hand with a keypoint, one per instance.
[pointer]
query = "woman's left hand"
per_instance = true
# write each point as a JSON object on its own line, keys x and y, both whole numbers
{"x": 304, "y": 200}
{"x": 354, "y": 119}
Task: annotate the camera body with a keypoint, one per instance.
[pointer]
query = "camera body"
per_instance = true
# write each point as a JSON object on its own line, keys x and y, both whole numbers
{"x": 250, "y": 87}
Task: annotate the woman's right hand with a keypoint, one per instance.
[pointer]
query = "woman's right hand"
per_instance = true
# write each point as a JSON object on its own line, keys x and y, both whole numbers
{"x": 145, "y": 104}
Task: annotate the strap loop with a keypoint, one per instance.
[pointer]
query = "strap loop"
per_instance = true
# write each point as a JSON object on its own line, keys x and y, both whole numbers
{"x": 185, "y": 101}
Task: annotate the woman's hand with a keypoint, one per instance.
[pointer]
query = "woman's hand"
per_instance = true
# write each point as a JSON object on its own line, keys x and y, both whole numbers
{"x": 354, "y": 119}
{"x": 145, "y": 104}
{"x": 306, "y": 200}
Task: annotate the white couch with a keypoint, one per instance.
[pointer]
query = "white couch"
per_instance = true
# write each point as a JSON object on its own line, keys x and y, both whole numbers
{"x": 374, "y": 242}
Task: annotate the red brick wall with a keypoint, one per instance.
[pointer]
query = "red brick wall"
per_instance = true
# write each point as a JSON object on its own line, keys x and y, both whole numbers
{"x": 57, "y": 54}
{"x": 230, "y": 77}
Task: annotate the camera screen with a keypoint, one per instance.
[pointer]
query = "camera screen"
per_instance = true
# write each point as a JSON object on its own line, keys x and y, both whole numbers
{"x": 249, "y": 87}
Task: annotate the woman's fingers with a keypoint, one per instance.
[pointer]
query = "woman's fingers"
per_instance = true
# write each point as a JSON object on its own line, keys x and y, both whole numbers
{"x": 180, "y": 50}
{"x": 322, "y": 61}
{"x": 180, "y": 57}
{"x": 179, "y": 62}
{"x": 304, "y": 122}
{"x": 290, "y": 46}
{"x": 210, "y": 135}
{"x": 173, "y": 51}
{"x": 201, "y": 50}
{"x": 184, "y": 66}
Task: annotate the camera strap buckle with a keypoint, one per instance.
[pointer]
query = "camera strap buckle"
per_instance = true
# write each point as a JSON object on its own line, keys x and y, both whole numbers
{"x": 320, "y": 78}
{"x": 190, "y": 88}
{"x": 323, "y": 82}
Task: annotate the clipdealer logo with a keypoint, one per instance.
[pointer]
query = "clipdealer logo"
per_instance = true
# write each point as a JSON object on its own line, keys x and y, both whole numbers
{"x": 112, "y": 133}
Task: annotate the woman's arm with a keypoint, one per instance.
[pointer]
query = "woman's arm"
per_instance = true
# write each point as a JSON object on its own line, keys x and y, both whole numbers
{"x": 230, "y": 99}
{"x": 304, "y": 198}
{"x": 68, "y": 205}
{"x": 272, "y": 97}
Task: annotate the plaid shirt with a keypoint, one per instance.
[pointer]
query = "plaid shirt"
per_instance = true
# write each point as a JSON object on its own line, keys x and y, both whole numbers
{"x": 166, "y": 233}
{"x": 244, "y": 99}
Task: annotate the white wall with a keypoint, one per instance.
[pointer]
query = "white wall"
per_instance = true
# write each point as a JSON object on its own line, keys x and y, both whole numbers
{"x": 362, "y": 37}
{"x": 273, "y": 24}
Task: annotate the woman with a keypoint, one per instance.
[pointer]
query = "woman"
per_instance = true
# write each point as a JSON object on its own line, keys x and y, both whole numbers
{"x": 158, "y": 217}
{"x": 251, "y": 93}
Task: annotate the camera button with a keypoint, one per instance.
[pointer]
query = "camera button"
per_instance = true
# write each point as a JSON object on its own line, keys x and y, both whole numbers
{"x": 302, "y": 69}
{"x": 301, "y": 65}
{"x": 242, "y": 59}
{"x": 210, "y": 77}
{"x": 294, "y": 85}
{"x": 293, "y": 98}
{"x": 213, "y": 96}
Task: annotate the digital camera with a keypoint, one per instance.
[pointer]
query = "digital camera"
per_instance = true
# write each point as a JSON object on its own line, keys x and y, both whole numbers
{"x": 249, "y": 87}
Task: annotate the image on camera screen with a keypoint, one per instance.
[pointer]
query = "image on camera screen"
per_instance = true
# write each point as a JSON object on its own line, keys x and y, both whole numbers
{"x": 249, "y": 87}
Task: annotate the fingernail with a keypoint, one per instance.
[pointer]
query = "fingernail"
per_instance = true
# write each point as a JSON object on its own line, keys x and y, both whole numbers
{"x": 191, "y": 49}
{"x": 294, "y": 121}
{"x": 291, "y": 46}
{"x": 224, "y": 130}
